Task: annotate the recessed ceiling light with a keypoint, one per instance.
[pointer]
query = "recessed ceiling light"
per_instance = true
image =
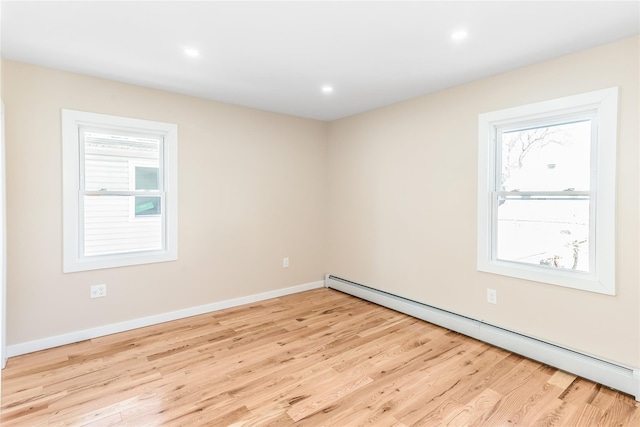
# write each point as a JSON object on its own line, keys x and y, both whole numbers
{"x": 191, "y": 52}
{"x": 327, "y": 89}
{"x": 459, "y": 35}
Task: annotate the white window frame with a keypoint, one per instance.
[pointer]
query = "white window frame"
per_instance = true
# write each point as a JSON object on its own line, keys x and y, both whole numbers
{"x": 604, "y": 104}
{"x": 73, "y": 259}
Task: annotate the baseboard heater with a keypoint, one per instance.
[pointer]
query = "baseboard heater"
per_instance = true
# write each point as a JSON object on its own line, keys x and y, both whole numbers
{"x": 609, "y": 374}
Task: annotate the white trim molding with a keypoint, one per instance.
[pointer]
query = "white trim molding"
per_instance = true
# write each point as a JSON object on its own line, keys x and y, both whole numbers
{"x": 86, "y": 334}
{"x": 611, "y": 374}
{"x": 601, "y": 106}
{"x": 74, "y": 191}
{"x": 3, "y": 244}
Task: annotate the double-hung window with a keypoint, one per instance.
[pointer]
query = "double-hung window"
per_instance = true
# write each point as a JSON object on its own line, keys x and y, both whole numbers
{"x": 546, "y": 191}
{"x": 119, "y": 190}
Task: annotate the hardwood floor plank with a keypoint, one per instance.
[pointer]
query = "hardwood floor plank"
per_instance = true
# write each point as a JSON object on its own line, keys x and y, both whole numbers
{"x": 371, "y": 402}
{"x": 391, "y": 388}
{"x": 634, "y": 419}
{"x": 586, "y": 415}
{"x": 340, "y": 387}
{"x": 557, "y": 414}
{"x": 474, "y": 411}
{"x": 317, "y": 358}
{"x": 618, "y": 412}
{"x": 529, "y": 383}
{"x": 494, "y": 365}
{"x": 447, "y": 382}
{"x": 543, "y": 400}
{"x": 580, "y": 390}
{"x": 103, "y": 415}
{"x": 562, "y": 379}
{"x": 112, "y": 420}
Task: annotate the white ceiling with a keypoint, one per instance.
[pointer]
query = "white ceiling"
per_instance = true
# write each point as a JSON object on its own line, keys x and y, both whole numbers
{"x": 277, "y": 56}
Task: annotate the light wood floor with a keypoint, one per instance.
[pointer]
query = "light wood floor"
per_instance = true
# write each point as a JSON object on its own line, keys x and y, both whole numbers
{"x": 318, "y": 358}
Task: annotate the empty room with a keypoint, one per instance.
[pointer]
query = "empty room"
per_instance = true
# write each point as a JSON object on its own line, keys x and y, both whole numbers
{"x": 320, "y": 213}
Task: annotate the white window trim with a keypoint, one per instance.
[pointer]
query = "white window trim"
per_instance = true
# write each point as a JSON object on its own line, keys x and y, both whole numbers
{"x": 605, "y": 103}
{"x": 72, "y": 259}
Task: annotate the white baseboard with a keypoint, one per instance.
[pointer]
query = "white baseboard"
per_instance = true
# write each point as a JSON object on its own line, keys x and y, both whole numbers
{"x": 85, "y": 334}
{"x": 610, "y": 374}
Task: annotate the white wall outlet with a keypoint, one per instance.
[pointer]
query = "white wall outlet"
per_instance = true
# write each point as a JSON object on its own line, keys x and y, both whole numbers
{"x": 98, "y": 291}
{"x": 285, "y": 262}
{"x": 492, "y": 296}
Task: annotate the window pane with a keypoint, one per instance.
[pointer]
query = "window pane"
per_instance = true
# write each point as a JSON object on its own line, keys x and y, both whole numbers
{"x": 107, "y": 156}
{"x": 147, "y": 205}
{"x": 551, "y": 158}
{"x": 549, "y": 232}
{"x": 147, "y": 178}
{"x": 109, "y": 229}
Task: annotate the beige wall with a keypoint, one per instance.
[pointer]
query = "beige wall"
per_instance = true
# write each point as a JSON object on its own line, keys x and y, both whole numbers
{"x": 402, "y": 205}
{"x": 251, "y": 191}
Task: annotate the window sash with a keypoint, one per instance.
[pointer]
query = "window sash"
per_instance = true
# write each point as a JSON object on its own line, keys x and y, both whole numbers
{"x": 83, "y": 130}
{"x": 547, "y": 121}
{"x": 161, "y": 192}
{"x": 496, "y": 193}
{"x": 82, "y": 192}
{"x": 108, "y": 234}
{"x": 81, "y": 221}
{"x": 534, "y": 196}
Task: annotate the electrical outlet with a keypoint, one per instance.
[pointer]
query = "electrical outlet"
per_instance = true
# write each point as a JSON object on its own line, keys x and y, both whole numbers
{"x": 98, "y": 291}
{"x": 285, "y": 262}
{"x": 492, "y": 296}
